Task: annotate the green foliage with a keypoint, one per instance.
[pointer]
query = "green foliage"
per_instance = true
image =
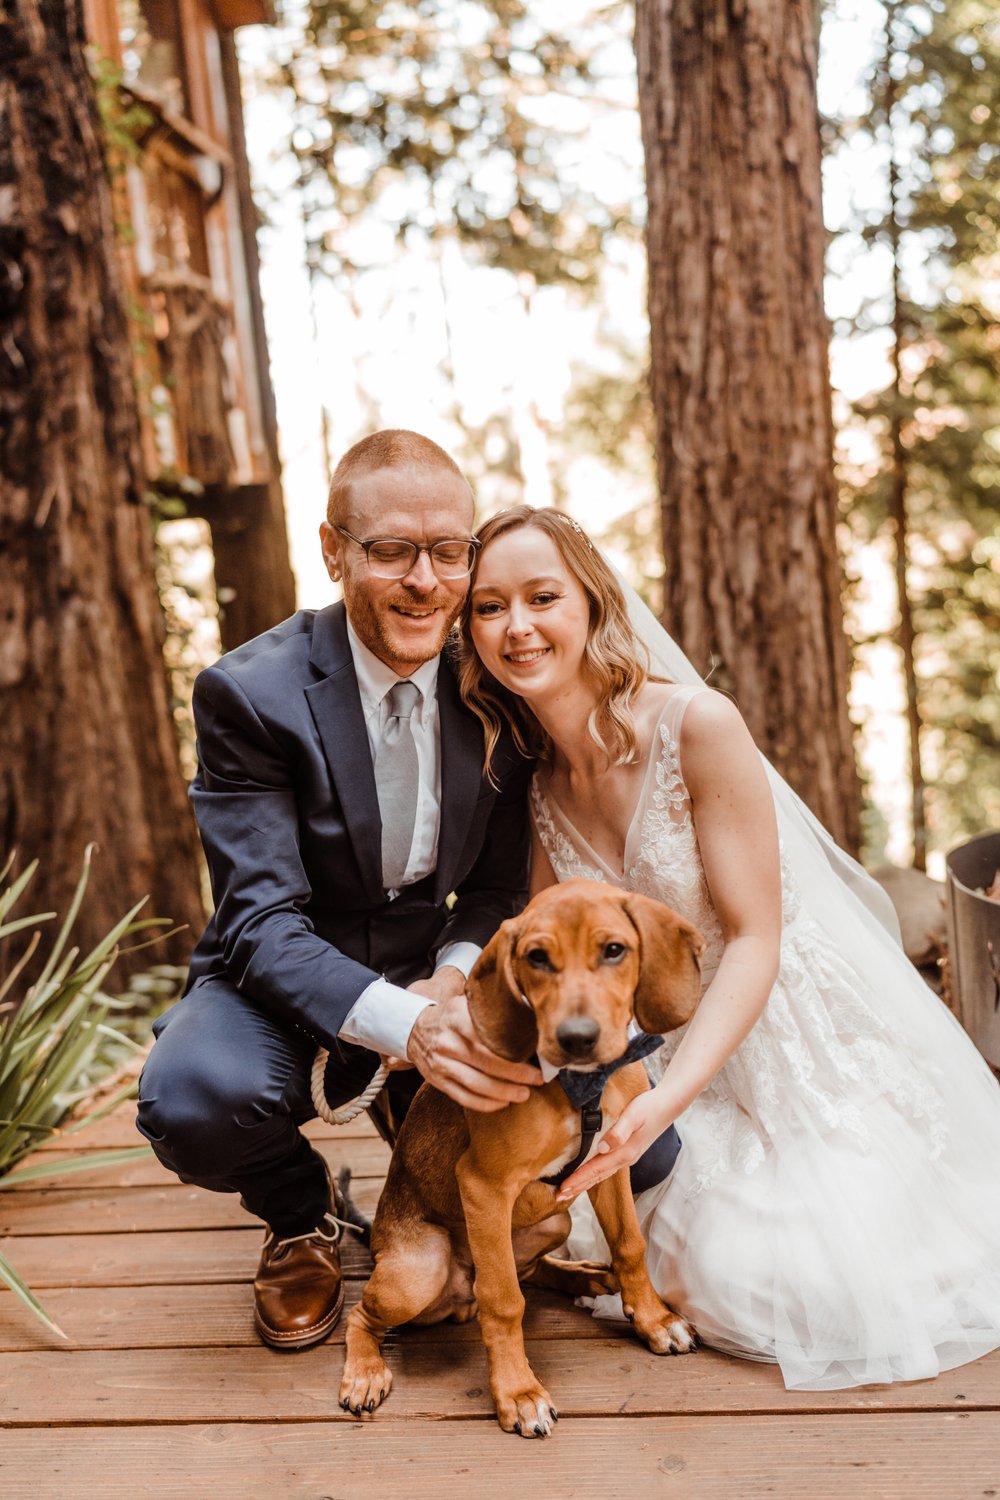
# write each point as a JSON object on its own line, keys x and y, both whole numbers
{"x": 612, "y": 411}
{"x": 609, "y": 413}
{"x": 458, "y": 139}
{"x": 124, "y": 121}
{"x": 454, "y": 118}
{"x": 169, "y": 500}
{"x": 133, "y": 1011}
{"x": 935, "y": 103}
{"x": 51, "y": 1040}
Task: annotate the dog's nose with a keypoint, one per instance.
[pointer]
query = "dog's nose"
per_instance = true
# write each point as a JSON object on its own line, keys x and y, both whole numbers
{"x": 577, "y": 1035}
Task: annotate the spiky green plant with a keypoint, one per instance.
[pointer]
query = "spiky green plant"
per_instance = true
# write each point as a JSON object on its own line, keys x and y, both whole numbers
{"x": 49, "y": 1038}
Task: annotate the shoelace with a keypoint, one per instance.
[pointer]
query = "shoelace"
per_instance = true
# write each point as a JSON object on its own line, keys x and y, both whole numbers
{"x": 333, "y": 1238}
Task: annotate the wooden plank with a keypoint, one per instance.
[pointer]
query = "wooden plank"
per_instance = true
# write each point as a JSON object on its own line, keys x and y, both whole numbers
{"x": 366, "y": 1156}
{"x": 206, "y": 1316}
{"x": 118, "y": 1129}
{"x": 927, "y": 1456}
{"x": 170, "y": 1205}
{"x": 431, "y": 1380}
{"x": 161, "y": 1258}
{"x": 136, "y": 1210}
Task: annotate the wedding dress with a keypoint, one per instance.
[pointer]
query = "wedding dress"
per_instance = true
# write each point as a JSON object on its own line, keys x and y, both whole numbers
{"x": 836, "y": 1202}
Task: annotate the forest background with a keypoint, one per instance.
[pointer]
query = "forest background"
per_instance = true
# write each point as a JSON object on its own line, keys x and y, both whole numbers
{"x": 586, "y": 252}
{"x": 398, "y": 292}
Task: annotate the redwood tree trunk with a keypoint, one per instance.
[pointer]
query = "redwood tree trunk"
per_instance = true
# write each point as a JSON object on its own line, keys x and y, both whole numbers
{"x": 740, "y": 379}
{"x": 89, "y": 748}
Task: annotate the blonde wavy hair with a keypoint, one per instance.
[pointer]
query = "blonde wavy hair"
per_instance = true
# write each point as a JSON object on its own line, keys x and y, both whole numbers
{"x": 615, "y": 659}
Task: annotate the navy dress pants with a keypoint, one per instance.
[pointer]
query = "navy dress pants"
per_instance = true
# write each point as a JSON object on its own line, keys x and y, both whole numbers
{"x": 223, "y": 1094}
{"x": 226, "y": 1087}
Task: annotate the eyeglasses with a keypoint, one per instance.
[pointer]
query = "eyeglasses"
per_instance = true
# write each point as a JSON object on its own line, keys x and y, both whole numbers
{"x": 392, "y": 557}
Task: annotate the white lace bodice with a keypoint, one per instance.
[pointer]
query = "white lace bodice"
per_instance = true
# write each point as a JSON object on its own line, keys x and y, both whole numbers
{"x": 819, "y": 1043}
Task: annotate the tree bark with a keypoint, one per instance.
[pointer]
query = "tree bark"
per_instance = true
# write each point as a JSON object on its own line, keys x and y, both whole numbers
{"x": 740, "y": 378}
{"x": 89, "y": 748}
{"x": 254, "y": 583}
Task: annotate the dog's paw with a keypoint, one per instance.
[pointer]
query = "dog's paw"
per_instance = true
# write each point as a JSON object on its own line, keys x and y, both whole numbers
{"x": 529, "y": 1413}
{"x": 365, "y": 1385}
{"x": 670, "y": 1334}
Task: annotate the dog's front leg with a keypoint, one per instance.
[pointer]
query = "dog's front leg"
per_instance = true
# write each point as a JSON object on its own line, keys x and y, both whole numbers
{"x": 522, "y": 1404}
{"x": 665, "y": 1331}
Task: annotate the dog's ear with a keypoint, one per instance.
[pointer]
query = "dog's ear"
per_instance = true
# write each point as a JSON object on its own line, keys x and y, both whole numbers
{"x": 669, "y": 982}
{"x": 505, "y": 1024}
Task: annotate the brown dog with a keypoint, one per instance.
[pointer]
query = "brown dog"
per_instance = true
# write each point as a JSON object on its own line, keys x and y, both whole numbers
{"x": 464, "y": 1215}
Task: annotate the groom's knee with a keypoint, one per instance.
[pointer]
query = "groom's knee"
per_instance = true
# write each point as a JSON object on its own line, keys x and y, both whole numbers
{"x": 188, "y": 1113}
{"x": 214, "y": 1091}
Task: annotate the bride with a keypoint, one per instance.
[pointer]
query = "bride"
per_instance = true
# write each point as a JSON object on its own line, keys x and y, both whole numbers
{"x": 836, "y": 1203}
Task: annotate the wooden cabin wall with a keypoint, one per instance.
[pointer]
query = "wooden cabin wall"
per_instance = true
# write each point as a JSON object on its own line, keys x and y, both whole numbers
{"x": 201, "y": 351}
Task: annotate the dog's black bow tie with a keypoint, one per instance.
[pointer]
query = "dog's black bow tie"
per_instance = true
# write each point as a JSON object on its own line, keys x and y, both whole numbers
{"x": 585, "y": 1089}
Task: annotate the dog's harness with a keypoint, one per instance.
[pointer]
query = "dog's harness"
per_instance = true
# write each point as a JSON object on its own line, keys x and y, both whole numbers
{"x": 584, "y": 1092}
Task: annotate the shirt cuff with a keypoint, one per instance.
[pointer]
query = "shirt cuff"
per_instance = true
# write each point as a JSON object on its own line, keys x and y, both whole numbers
{"x": 382, "y": 1018}
{"x": 458, "y": 956}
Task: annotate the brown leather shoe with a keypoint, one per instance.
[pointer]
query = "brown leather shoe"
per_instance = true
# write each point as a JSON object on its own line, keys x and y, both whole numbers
{"x": 299, "y": 1288}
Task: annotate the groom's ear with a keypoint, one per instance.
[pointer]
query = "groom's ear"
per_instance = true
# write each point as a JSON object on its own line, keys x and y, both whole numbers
{"x": 504, "y": 1023}
{"x": 669, "y": 985}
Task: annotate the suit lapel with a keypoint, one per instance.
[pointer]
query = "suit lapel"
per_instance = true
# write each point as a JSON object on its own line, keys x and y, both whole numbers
{"x": 461, "y": 777}
{"x": 335, "y": 705}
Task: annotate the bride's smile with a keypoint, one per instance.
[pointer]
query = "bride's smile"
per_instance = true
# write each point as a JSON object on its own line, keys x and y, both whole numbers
{"x": 530, "y": 616}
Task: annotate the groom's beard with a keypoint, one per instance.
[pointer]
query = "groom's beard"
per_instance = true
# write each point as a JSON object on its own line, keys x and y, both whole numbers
{"x": 387, "y": 634}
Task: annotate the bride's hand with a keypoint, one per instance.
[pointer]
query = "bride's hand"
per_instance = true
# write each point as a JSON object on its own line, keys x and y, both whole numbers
{"x": 621, "y": 1145}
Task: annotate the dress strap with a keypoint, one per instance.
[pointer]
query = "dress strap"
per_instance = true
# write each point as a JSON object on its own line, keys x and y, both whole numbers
{"x": 676, "y": 706}
{"x": 670, "y": 724}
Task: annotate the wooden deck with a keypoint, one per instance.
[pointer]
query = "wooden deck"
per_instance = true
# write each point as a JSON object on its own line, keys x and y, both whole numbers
{"x": 165, "y": 1391}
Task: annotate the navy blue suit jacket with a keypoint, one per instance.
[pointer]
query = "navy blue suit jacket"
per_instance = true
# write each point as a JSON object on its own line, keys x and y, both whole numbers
{"x": 286, "y": 803}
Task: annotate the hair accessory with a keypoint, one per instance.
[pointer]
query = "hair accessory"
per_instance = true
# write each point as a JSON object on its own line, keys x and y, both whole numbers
{"x": 571, "y": 521}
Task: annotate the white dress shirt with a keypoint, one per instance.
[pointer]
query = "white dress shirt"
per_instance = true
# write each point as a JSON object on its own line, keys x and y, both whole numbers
{"x": 383, "y": 1015}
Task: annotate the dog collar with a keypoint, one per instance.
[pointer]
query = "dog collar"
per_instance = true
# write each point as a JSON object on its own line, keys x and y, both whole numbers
{"x": 584, "y": 1092}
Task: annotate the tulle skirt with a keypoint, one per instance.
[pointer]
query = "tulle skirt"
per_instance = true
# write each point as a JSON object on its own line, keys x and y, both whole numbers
{"x": 830, "y": 1222}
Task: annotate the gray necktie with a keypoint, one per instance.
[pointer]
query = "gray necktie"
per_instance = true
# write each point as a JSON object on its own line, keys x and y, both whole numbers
{"x": 396, "y": 778}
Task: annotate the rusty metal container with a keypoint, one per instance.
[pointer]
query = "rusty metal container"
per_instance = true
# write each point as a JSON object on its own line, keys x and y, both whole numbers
{"x": 974, "y": 941}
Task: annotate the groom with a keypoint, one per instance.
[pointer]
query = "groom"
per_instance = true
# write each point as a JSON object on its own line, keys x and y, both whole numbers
{"x": 341, "y": 801}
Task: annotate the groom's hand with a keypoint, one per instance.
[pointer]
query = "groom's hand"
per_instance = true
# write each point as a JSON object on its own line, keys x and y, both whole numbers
{"x": 445, "y": 1046}
{"x": 442, "y": 984}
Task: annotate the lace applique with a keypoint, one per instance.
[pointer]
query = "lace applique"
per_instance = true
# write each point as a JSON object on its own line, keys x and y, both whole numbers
{"x": 562, "y": 853}
{"x": 818, "y": 1042}
{"x": 670, "y": 789}
{"x": 668, "y": 864}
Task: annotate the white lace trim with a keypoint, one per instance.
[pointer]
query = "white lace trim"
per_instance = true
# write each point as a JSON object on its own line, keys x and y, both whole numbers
{"x": 818, "y": 1041}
